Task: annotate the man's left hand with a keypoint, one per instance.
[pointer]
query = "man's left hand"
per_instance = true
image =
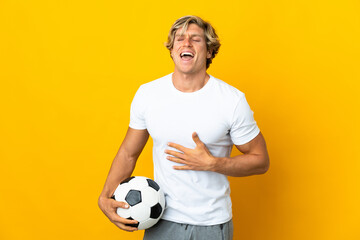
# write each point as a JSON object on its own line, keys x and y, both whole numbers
{"x": 199, "y": 159}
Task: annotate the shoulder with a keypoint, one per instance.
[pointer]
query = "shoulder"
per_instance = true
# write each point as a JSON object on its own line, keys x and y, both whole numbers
{"x": 152, "y": 90}
{"x": 155, "y": 85}
{"x": 227, "y": 91}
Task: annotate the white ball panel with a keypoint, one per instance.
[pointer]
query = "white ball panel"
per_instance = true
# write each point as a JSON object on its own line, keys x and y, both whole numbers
{"x": 148, "y": 223}
{"x": 138, "y": 182}
{"x": 162, "y": 198}
{"x": 149, "y": 196}
{"x": 140, "y": 212}
{"x": 121, "y": 192}
{"x": 124, "y": 213}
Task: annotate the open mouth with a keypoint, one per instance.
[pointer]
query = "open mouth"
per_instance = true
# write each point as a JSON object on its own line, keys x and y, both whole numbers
{"x": 187, "y": 56}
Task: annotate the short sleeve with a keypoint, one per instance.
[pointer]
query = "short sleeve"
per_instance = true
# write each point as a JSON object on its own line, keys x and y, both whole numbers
{"x": 137, "y": 110}
{"x": 243, "y": 126}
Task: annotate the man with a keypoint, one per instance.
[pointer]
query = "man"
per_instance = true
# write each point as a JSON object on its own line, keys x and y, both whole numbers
{"x": 194, "y": 120}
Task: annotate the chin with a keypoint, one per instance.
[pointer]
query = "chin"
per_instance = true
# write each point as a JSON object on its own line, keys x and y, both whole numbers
{"x": 188, "y": 70}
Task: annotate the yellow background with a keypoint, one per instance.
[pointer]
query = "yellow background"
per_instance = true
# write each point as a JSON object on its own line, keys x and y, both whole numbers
{"x": 69, "y": 71}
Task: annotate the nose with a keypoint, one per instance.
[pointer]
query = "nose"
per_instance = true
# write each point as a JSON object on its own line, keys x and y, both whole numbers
{"x": 187, "y": 41}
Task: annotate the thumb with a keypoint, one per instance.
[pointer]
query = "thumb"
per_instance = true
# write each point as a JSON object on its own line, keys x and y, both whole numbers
{"x": 196, "y": 138}
{"x": 118, "y": 204}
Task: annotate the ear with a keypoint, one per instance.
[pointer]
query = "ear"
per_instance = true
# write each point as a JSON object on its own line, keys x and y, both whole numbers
{"x": 209, "y": 54}
{"x": 171, "y": 53}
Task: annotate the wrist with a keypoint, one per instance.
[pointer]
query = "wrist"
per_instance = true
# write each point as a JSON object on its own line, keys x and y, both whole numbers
{"x": 215, "y": 164}
{"x": 219, "y": 164}
{"x": 105, "y": 194}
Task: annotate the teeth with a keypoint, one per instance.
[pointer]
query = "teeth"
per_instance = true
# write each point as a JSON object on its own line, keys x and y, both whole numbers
{"x": 187, "y": 54}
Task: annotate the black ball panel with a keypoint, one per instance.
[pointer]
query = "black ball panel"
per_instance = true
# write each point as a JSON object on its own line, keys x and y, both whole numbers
{"x": 153, "y": 184}
{"x": 132, "y": 225}
{"x": 156, "y": 211}
{"x": 133, "y": 197}
{"x": 127, "y": 180}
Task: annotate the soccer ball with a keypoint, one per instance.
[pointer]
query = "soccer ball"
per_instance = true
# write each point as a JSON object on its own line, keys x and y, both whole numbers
{"x": 145, "y": 198}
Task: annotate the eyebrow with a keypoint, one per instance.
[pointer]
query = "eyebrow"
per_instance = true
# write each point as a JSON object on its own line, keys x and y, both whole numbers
{"x": 191, "y": 35}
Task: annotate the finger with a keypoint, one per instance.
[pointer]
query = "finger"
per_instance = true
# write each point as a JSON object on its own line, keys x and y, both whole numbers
{"x": 174, "y": 159}
{"x": 125, "y": 227}
{"x": 175, "y": 153}
{"x": 118, "y": 204}
{"x": 196, "y": 138}
{"x": 184, "y": 167}
{"x": 115, "y": 218}
{"x": 178, "y": 147}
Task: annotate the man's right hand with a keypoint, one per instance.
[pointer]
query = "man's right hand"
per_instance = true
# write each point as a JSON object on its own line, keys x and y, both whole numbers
{"x": 109, "y": 206}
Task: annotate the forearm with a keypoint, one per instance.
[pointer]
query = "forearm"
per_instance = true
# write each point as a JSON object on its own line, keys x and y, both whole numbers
{"x": 124, "y": 162}
{"x": 121, "y": 168}
{"x": 242, "y": 165}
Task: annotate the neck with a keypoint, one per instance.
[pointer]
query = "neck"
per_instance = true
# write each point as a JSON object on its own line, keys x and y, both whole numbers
{"x": 189, "y": 82}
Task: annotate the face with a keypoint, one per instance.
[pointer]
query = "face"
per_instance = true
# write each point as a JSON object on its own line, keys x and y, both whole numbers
{"x": 189, "y": 52}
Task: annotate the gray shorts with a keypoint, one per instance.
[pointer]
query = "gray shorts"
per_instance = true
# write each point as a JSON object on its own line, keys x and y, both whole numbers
{"x": 166, "y": 230}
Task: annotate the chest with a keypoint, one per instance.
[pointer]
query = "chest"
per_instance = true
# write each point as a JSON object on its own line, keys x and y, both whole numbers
{"x": 174, "y": 120}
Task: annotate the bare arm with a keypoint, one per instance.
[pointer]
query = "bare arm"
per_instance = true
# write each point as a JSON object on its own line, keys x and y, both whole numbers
{"x": 122, "y": 167}
{"x": 124, "y": 162}
{"x": 255, "y": 159}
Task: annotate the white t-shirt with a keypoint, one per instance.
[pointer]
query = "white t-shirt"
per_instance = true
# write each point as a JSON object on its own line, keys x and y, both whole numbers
{"x": 220, "y": 115}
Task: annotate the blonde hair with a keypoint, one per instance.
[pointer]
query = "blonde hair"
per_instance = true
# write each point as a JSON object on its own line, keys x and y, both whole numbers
{"x": 211, "y": 39}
